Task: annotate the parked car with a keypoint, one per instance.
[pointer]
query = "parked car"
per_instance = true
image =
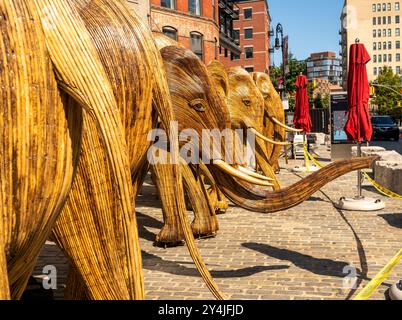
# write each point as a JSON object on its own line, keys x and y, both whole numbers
{"x": 384, "y": 127}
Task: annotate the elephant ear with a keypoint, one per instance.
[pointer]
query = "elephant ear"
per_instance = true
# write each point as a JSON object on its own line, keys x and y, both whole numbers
{"x": 220, "y": 77}
{"x": 264, "y": 84}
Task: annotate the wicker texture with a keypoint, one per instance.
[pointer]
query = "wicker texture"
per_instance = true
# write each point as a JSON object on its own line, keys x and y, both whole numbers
{"x": 273, "y": 109}
{"x": 39, "y": 143}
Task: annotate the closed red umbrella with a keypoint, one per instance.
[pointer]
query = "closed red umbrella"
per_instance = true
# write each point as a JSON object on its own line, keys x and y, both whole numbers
{"x": 302, "y": 118}
{"x": 358, "y": 127}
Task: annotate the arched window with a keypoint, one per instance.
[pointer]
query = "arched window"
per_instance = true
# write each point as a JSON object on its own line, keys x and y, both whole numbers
{"x": 196, "y": 44}
{"x": 170, "y": 32}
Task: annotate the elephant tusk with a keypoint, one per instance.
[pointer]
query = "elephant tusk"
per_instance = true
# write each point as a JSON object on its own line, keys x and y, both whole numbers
{"x": 284, "y": 126}
{"x": 261, "y": 136}
{"x": 253, "y": 174}
{"x": 223, "y": 166}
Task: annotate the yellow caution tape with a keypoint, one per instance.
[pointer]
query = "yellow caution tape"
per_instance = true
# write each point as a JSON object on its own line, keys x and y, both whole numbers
{"x": 382, "y": 189}
{"x": 376, "y": 185}
{"x": 369, "y": 289}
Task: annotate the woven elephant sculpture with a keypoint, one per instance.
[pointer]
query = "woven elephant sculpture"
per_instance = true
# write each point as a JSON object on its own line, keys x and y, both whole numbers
{"x": 68, "y": 170}
{"x": 200, "y": 101}
{"x": 274, "y": 117}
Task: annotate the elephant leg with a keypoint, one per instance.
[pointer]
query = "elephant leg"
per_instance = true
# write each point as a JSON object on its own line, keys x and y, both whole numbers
{"x": 4, "y": 287}
{"x": 205, "y": 223}
{"x": 75, "y": 286}
{"x": 91, "y": 229}
{"x": 171, "y": 232}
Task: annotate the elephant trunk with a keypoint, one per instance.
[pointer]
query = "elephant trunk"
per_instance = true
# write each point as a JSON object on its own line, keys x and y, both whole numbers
{"x": 259, "y": 200}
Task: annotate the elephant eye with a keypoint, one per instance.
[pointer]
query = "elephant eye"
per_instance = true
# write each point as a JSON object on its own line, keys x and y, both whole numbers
{"x": 246, "y": 102}
{"x": 198, "y": 105}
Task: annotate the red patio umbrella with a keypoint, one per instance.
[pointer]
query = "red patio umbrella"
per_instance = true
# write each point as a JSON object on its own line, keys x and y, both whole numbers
{"x": 358, "y": 127}
{"x": 302, "y": 118}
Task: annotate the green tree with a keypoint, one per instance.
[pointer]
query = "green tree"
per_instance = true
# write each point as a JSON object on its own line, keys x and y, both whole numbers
{"x": 385, "y": 98}
{"x": 295, "y": 68}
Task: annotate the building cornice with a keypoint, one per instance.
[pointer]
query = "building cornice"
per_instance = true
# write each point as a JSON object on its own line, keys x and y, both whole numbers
{"x": 181, "y": 13}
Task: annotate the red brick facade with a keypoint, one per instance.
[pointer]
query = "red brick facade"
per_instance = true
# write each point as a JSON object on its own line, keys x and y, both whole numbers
{"x": 260, "y": 41}
{"x": 186, "y": 23}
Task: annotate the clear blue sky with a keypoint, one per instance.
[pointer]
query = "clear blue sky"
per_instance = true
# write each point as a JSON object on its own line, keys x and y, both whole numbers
{"x": 312, "y": 25}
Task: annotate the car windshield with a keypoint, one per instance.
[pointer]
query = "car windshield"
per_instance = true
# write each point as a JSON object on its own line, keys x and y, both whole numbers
{"x": 382, "y": 120}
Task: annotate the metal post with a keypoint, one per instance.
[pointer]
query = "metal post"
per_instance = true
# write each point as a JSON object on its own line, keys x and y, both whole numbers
{"x": 359, "y": 173}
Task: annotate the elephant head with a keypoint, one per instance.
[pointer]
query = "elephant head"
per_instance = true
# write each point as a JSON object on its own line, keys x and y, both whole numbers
{"x": 274, "y": 116}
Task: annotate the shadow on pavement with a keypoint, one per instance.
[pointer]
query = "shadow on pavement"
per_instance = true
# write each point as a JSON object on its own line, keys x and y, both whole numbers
{"x": 153, "y": 262}
{"x": 325, "y": 267}
{"x": 393, "y": 219}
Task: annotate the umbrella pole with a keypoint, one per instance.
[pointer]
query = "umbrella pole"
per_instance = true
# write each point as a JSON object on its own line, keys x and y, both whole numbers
{"x": 359, "y": 173}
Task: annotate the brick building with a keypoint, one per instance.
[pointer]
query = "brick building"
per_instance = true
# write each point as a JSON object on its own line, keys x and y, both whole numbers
{"x": 141, "y": 7}
{"x": 194, "y": 24}
{"x": 251, "y": 30}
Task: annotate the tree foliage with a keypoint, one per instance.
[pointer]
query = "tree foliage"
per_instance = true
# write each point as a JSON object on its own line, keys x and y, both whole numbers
{"x": 295, "y": 68}
{"x": 385, "y": 98}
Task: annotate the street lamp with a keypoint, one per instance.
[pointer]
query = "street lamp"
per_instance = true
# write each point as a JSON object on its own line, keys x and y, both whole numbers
{"x": 278, "y": 45}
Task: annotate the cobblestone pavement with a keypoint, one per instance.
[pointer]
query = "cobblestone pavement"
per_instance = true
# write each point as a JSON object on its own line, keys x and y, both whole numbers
{"x": 302, "y": 253}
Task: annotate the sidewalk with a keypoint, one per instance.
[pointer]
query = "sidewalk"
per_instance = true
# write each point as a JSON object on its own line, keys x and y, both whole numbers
{"x": 301, "y": 253}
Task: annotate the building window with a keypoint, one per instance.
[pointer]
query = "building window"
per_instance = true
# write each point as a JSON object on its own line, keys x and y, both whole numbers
{"x": 379, "y": 7}
{"x": 379, "y": 20}
{"x": 379, "y": 58}
{"x": 379, "y": 46}
{"x": 389, "y": 33}
{"x": 248, "y": 33}
{"x": 384, "y": 20}
{"x": 379, "y": 69}
{"x": 170, "y": 32}
{"x": 384, "y": 45}
{"x": 375, "y": 71}
{"x": 196, "y": 44}
{"x": 398, "y": 45}
{"x": 398, "y": 70}
{"x": 248, "y": 52}
{"x": 248, "y": 13}
{"x": 374, "y": 33}
{"x": 385, "y": 58}
{"x": 374, "y": 8}
{"x": 389, "y": 20}
{"x": 397, "y": 19}
{"x": 389, "y": 6}
{"x": 390, "y": 58}
{"x": 194, "y": 7}
{"x": 398, "y": 57}
{"x": 234, "y": 56}
{"x": 397, "y": 32}
{"x": 384, "y": 32}
{"x": 374, "y": 21}
{"x": 389, "y": 45}
{"x": 384, "y": 7}
{"x": 375, "y": 46}
{"x": 249, "y": 69}
{"x": 168, "y": 4}
{"x": 375, "y": 58}
{"x": 379, "y": 33}
{"x": 397, "y": 6}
